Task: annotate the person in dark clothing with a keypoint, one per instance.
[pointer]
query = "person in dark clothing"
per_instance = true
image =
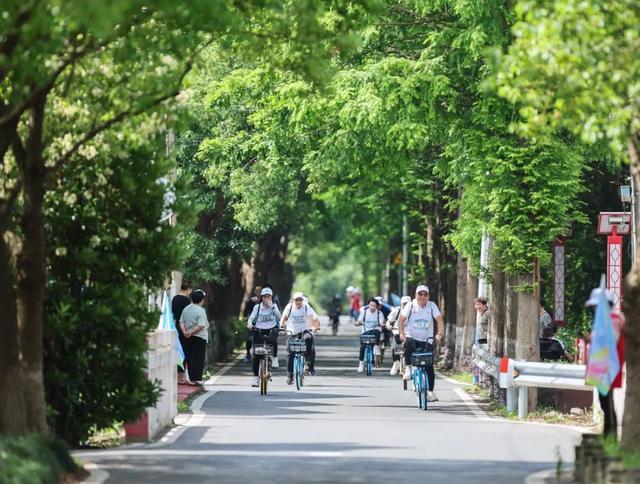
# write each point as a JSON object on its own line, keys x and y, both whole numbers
{"x": 552, "y": 349}
{"x": 178, "y": 303}
{"x": 248, "y": 309}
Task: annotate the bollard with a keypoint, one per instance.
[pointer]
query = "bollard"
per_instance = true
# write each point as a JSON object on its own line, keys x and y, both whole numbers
{"x": 523, "y": 402}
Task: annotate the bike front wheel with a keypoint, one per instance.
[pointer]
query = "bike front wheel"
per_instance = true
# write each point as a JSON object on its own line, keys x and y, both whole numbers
{"x": 299, "y": 371}
{"x": 368, "y": 357}
{"x": 425, "y": 389}
{"x": 263, "y": 375}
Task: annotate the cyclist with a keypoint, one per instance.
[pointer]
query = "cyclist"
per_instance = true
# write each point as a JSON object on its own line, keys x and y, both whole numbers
{"x": 263, "y": 319}
{"x": 386, "y": 309}
{"x": 371, "y": 320}
{"x": 393, "y": 327}
{"x": 298, "y": 319}
{"x": 415, "y": 327}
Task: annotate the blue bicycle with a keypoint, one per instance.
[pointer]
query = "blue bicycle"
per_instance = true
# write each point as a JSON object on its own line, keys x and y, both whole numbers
{"x": 420, "y": 360}
{"x": 298, "y": 348}
{"x": 368, "y": 341}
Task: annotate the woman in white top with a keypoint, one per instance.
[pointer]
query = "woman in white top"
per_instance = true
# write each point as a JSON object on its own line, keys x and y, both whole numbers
{"x": 392, "y": 326}
{"x": 263, "y": 322}
{"x": 416, "y": 327}
{"x": 298, "y": 319}
{"x": 371, "y": 319}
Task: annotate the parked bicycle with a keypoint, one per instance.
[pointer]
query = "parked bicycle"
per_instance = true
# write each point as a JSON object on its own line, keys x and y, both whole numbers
{"x": 420, "y": 360}
{"x": 368, "y": 341}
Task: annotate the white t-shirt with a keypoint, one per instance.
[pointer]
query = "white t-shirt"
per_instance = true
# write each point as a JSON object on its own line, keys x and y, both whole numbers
{"x": 420, "y": 321}
{"x": 393, "y": 318}
{"x": 370, "y": 320}
{"x": 265, "y": 318}
{"x": 297, "y": 319}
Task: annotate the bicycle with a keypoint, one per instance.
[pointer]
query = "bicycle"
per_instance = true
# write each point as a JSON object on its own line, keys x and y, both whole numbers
{"x": 265, "y": 350}
{"x": 400, "y": 354}
{"x": 298, "y": 347}
{"x": 368, "y": 341}
{"x": 420, "y": 360}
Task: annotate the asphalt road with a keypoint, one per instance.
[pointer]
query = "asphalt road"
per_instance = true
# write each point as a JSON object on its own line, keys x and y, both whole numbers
{"x": 341, "y": 427}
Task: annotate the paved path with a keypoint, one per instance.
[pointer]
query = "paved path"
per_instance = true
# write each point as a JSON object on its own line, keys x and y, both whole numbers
{"x": 342, "y": 427}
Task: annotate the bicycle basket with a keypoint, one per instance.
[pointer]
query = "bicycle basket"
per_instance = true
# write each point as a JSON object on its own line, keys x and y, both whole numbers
{"x": 297, "y": 347}
{"x": 424, "y": 358}
{"x": 367, "y": 339}
{"x": 262, "y": 350}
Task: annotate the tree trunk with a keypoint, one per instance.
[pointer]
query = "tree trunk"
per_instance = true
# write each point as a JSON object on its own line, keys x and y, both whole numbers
{"x": 30, "y": 274}
{"x": 12, "y": 416}
{"x": 511, "y": 313}
{"x": 528, "y": 341}
{"x": 469, "y": 316}
{"x": 450, "y": 315}
{"x": 270, "y": 264}
{"x": 498, "y": 313}
{"x": 461, "y": 295}
{"x": 631, "y": 296}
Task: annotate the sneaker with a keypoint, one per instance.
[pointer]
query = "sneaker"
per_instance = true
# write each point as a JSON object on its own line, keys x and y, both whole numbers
{"x": 274, "y": 363}
{"x": 376, "y": 350}
{"x": 256, "y": 382}
{"x": 312, "y": 371}
{"x": 360, "y": 366}
{"x": 394, "y": 368}
{"x": 407, "y": 373}
{"x": 290, "y": 380}
{"x": 432, "y": 397}
{"x": 247, "y": 359}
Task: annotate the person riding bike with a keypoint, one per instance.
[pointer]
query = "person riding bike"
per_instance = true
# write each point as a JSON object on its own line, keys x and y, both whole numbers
{"x": 371, "y": 320}
{"x": 298, "y": 318}
{"x": 335, "y": 309}
{"x": 415, "y": 327}
{"x": 392, "y": 326}
{"x": 263, "y": 320}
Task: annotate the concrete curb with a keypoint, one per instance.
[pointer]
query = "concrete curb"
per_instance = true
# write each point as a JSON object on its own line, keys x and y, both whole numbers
{"x": 451, "y": 380}
{"x": 96, "y": 476}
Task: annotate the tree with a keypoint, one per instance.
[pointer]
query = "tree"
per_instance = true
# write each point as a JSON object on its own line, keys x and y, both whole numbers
{"x": 69, "y": 75}
{"x": 574, "y": 66}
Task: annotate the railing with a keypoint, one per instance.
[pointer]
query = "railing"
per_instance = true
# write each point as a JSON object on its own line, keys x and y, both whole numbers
{"x": 518, "y": 376}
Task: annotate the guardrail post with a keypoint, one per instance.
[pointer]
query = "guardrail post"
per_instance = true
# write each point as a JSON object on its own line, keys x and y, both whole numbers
{"x": 512, "y": 400}
{"x": 523, "y": 402}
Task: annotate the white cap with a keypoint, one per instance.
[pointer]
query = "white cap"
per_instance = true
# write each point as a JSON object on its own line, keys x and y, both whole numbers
{"x": 378, "y": 298}
{"x": 298, "y": 295}
{"x": 266, "y": 292}
{"x": 405, "y": 299}
{"x": 350, "y": 288}
{"x": 422, "y": 288}
{"x": 594, "y": 297}
{"x": 356, "y": 290}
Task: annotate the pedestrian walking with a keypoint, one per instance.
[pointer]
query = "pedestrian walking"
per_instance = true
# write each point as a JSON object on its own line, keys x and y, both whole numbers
{"x": 482, "y": 307}
{"x": 195, "y": 327}
{"x": 178, "y": 303}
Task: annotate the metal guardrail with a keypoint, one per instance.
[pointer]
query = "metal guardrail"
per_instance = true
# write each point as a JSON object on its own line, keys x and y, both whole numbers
{"x": 518, "y": 376}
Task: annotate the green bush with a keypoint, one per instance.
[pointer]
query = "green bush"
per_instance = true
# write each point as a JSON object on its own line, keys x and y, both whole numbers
{"x": 34, "y": 459}
{"x": 105, "y": 249}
